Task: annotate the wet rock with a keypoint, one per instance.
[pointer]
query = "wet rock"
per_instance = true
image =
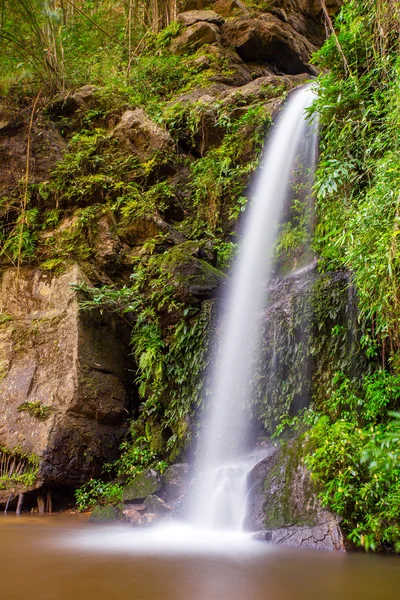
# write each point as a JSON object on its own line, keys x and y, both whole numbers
{"x": 145, "y": 484}
{"x": 139, "y": 134}
{"x": 283, "y": 507}
{"x": 196, "y": 36}
{"x": 69, "y": 364}
{"x": 324, "y": 536}
{"x": 175, "y": 481}
{"x": 269, "y": 40}
{"x": 104, "y": 514}
{"x": 133, "y": 515}
{"x": 155, "y": 505}
{"x": 195, "y": 16}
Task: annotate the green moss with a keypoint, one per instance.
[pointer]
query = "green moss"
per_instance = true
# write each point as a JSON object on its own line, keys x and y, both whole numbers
{"x": 143, "y": 485}
{"x": 288, "y": 478}
{"x": 105, "y": 514}
{"x": 36, "y": 409}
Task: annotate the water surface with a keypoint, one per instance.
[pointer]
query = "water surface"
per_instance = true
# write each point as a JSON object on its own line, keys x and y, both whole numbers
{"x": 55, "y": 558}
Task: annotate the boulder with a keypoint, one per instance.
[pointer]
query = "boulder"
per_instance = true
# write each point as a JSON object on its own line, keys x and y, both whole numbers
{"x": 154, "y": 505}
{"x": 133, "y": 515}
{"x": 235, "y": 71}
{"x": 101, "y": 514}
{"x": 192, "y": 276}
{"x": 175, "y": 481}
{"x": 269, "y": 40}
{"x": 65, "y": 105}
{"x": 196, "y": 36}
{"x": 106, "y": 243}
{"x": 137, "y": 133}
{"x": 283, "y": 506}
{"x": 145, "y": 484}
{"x": 195, "y": 16}
{"x": 63, "y": 376}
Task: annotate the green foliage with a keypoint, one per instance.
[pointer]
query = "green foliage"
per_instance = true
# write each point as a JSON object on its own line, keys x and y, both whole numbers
{"x": 96, "y": 492}
{"x": 17, "y": 468}
{"x": 294, "y": 239}
{"x": 218, "y": 179}
{"x": 352, "y": 448}
{"x": 36, "y": 409}
{"x": 352, "y": 444}
{"x": 359, "y": 172}
{"x": 138, "y": 451}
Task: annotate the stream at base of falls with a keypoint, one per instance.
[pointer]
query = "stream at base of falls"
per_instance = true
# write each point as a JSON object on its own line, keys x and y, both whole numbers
{"x": 65, "y": 558}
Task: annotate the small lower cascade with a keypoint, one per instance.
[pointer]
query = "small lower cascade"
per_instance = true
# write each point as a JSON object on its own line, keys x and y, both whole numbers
{"x": 219, "y": 499}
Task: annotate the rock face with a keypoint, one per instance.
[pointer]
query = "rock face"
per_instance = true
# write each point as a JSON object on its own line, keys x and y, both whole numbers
{"x": 47, "y": 148}
{"x": 269, "y": 40}
{"x": 63, "y": 383}
{"x": 283, "y": 505}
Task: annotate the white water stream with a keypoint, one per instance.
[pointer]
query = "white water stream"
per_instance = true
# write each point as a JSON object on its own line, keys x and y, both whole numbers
{"x": 220, "y": 489}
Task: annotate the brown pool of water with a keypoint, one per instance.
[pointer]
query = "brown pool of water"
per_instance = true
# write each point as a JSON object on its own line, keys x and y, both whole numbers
{"x": 50, "y": 559}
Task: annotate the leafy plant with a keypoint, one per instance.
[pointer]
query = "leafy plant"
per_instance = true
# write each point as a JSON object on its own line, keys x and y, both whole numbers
{"x": 96, "y": 491}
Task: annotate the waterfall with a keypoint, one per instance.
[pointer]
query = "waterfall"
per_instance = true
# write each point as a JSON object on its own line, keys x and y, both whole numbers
{"x": 220, "y": 487}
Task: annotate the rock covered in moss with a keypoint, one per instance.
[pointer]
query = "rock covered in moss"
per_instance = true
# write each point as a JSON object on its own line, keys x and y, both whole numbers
{"x": 228, "y": 8}
{"x": 145, "y": 484}
{"x": 189, "y": 273}
{"x": 104, "y": 514}
{"x": 283, "y": 506}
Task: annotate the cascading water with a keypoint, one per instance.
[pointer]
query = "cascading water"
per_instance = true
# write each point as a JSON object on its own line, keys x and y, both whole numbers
{"x": 220, "y": 488}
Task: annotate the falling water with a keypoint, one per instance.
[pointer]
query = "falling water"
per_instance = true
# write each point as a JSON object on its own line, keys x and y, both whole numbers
{"x": 220, "y": 489}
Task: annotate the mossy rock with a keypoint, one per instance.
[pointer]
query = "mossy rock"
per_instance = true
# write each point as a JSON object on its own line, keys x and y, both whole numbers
{"x": 192, "y": 275}
{"x": 282, "y": 491}
{"x": 145, "y": 484}
{"x": 105, "y": 514}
